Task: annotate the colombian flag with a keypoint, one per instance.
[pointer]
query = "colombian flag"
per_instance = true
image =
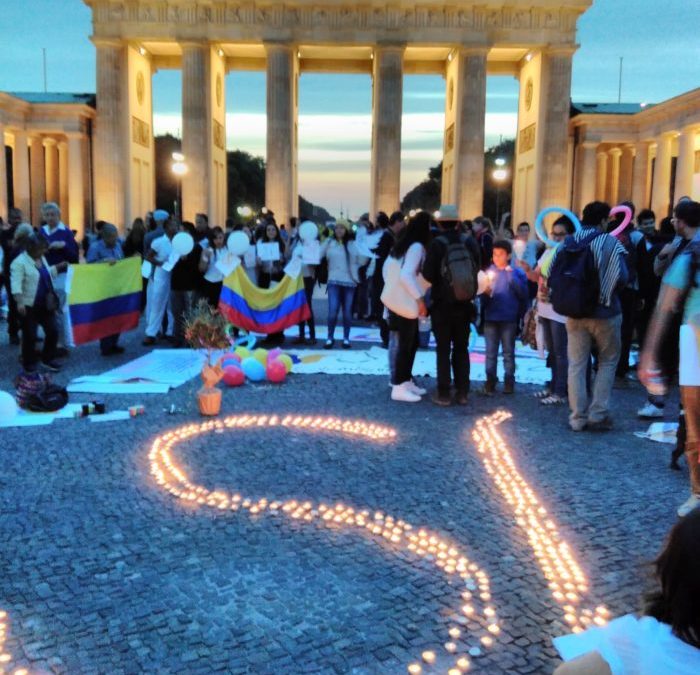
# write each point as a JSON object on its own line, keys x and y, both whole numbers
{"x": 104, "y": 299}
{"x": 263, "y": 311}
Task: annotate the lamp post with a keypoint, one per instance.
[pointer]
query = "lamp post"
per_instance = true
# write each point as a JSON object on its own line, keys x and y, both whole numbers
{"x": 179, "y": 168}
{"x": 499, "y": 175}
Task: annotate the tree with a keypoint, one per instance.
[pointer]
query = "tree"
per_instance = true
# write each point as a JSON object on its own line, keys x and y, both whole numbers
{"x": 425, "y": 195}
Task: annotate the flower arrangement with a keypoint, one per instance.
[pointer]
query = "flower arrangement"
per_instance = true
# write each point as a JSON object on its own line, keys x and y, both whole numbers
{"x": 207, "y": 328}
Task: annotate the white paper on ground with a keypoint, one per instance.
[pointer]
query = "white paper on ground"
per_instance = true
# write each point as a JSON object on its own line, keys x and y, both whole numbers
{"x": 114, "y": 416}
{"x": 661, "y": 432}
{"x": 117, "y": 388}
{"x": 27, "y": 419}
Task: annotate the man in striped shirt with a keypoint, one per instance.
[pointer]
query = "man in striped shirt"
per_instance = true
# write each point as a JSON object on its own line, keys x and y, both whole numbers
{"x": 601, "y": 329}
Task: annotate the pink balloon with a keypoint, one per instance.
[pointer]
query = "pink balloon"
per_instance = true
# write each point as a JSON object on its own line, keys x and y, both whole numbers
{"x": 625, "y": 221}
{"x": 273, "y": 354}
{"x": 233, "y": 376}
{"x": 276, "y": 371}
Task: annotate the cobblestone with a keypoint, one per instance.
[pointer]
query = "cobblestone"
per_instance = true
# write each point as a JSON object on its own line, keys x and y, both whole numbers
{"x": 106, "y": 573}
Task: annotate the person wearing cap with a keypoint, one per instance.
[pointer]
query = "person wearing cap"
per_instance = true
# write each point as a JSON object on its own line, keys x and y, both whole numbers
{"x": 107, "y": 249}
{"x": 450, "y": 317}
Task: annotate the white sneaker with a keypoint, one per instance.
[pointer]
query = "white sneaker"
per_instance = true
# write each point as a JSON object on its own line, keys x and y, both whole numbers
{"x": 414, "y": 388}
{"x": 687, "y": 506}
{"x": 650, "y": 411}
{"x": 402, "y": 392}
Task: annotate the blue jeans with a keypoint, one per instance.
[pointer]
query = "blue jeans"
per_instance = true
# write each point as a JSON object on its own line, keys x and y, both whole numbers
{"x": 500, "y": 333}
{"x": 339, "y": 296}
{"x": 556, "y": 341}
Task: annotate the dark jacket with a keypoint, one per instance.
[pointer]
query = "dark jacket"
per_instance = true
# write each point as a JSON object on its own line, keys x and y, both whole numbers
{"x": 432, "y": 266}
{"x": 186, "y": 275}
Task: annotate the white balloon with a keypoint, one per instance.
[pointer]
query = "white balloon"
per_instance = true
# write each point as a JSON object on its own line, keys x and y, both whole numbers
{"x": 8, "y": 406}
{"x": 308, "y": 231}
{"x": 183, "y": 243}
{"x": 238, "y": 243}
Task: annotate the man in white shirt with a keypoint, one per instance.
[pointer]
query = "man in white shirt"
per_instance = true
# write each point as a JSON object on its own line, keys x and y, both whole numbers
{"x": 158, "y": 292}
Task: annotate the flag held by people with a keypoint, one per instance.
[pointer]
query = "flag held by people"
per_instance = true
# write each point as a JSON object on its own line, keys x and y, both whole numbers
{"x": 104, "y": 299}
{"x": 263, "y": 310}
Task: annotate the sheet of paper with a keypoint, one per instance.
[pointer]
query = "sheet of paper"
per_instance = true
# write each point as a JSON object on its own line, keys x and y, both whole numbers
{"x": 311, "y": 252}
{"x": 118, "y": 388}
{"x": 114, "y": 416}
{"x": 249, "y": 257}
{"x": 146, "y": 269}
{"x": 268, "y": 251}
{"x": 25, "y": 419}
{"x": 170, "y": 262}
{"x": 293, "y": 268}
{"x": 227, "y": 264}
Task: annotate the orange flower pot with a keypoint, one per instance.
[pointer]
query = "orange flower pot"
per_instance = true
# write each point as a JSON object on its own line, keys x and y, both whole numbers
{"x": 209, "y": 396}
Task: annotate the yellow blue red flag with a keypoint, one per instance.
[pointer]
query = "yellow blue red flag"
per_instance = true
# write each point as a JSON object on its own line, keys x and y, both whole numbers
{"x": 263, "y": 310}
{"x": 104, "y": 299}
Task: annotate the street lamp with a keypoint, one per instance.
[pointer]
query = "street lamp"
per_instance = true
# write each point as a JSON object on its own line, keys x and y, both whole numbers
{"x": 244, "y": 211}
{"x": 179, "y": 168}
{"x": 499, "y": 175}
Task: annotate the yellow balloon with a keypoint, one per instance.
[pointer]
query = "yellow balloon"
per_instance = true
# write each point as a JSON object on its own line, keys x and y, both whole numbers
{"x": 260, "y": 355}
{"x": 287, "y": 360}
{"x": 243, "y": 352}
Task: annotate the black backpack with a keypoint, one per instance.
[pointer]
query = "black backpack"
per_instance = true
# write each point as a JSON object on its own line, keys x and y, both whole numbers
{"x": 37, "y": 393}
{"x": 459, "y": 270}
{"x": 573, "y": 278}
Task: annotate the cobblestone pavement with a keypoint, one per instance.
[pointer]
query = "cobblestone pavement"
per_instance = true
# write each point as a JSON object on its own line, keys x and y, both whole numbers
{"x": 104, "y": 572}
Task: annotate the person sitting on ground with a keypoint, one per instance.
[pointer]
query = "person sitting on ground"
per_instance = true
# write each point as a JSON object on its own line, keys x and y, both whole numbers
{"x": 107, "y": 249}
{"x": 666, "y": 639}
{"x": 31, "y": 279}
{"x": 503, "y": 305}
{"x": 451, "y": 265}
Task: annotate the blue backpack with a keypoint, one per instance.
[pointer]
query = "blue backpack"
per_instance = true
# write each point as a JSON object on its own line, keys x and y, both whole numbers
{"x": 573, "y": 278}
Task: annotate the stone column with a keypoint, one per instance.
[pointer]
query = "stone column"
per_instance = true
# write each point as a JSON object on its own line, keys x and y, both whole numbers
{"x": 685, "y": 165}
{"x": 63, "y": 176}
{"x": 20, "y": 174}
{"x": 75, "y": 218}
{"x": 661, "y": 187}
{"x": 614, "y": 181}
{"x": 51, "y": 159}
{"x": 555, "y": 135}
{"x": 111, "y": 133}
{"x": 195, "y": 125}
{"x": 38, "y": 176}
{"x": 624, "y": 192}
{"x": 280, "y": 179}
{"x": 387, "y": 108}
{"x": 3, "y": 173}
{"x": 601, "y": 181}
{"x": 585, "y": 175}
{"x": 640, "y": 176}
{"x": 467, "y": 93}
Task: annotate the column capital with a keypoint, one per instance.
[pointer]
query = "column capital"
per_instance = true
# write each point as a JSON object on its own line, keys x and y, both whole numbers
{"x": 75, "y": 135}
{"x": 560, "y": 50}
{"x": 589, "y": 145}
{"x": 278, "y": 45}
{"x": 193, "y": 44}
{"x": 50, "y": 142}
{"x": 615, "y": 152}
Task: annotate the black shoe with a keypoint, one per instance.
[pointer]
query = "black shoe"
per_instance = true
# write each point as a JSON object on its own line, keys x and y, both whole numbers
{"x": 489, "y": 387}
{"x": 14, "y": 340}
{"x": 301, "y": 340}
{"x": 311, "y": 341}
{"x": 346, "y": 344}
{"x": 462, "y": 398}
{"x": 62, "y": 352}
{"x": 329, "y": 344}
{"x": 606, "y": 424}
{"x": 509, "y": 387}
{"x": 51, "y": 366}
{"x": 118, "y": 349}
{"x": 440, "y": 400}
{"x": 148, "y": 341}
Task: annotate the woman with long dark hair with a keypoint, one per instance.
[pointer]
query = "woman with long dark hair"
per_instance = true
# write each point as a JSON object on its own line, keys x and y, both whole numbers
{"x": 666, "y": 639}
{"x": 404, "y": 298}
{"x": 213, "y": 279}
{"x": 343, "y": 263}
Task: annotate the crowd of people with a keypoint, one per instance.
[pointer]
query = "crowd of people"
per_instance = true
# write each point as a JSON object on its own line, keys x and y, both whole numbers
{"x": 589, "y": 296}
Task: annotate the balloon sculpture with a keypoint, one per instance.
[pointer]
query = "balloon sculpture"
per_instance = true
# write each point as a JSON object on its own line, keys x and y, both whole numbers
{"x": 539, "y": 223}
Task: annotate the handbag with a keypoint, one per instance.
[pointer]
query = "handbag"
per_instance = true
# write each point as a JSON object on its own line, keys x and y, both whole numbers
{"x": 394, "y": 296}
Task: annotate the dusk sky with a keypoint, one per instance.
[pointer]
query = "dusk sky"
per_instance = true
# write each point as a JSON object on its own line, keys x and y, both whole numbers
{"x": 658, "y": 41}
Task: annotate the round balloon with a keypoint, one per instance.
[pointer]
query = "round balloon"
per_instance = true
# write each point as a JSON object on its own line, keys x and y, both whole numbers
{"x": 183, "y": 243}
{"x": 287, "y": 360}
{"x": 230, "y": 356}
{"x": 253, "y": 369}
{"x": 308, "y": 231}
{"x": 260, "y": 354}
{"x": 273, "y": 354}
{"x": 242, "y": 352}
{"x": 233, "y": 376}
{"x": 238, "y": 243}
{"x": 8, "y": 406}
{"x": 232, "y": 362}
{"x": 276, "y": 371}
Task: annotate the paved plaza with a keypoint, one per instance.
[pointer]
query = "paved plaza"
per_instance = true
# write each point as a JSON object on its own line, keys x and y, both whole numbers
{"x": 105, "y": 571}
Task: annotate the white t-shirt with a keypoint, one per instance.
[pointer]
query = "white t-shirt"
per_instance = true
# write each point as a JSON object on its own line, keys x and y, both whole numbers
{"x": 632, "y": 646}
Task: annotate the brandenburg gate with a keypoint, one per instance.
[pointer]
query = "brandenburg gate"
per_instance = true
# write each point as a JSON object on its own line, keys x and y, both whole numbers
{"x": 462, "y": 40}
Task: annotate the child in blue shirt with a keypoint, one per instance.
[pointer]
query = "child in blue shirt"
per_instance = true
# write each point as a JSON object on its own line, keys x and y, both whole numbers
{"x": 503, "y": 304}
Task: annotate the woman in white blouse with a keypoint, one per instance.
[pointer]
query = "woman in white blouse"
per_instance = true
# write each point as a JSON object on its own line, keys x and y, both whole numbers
{"x": 404, "y": 298}
{"x": 666, "y": 639}
{"x": 213, "y": 278}
{"x": 343, "y": 262}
